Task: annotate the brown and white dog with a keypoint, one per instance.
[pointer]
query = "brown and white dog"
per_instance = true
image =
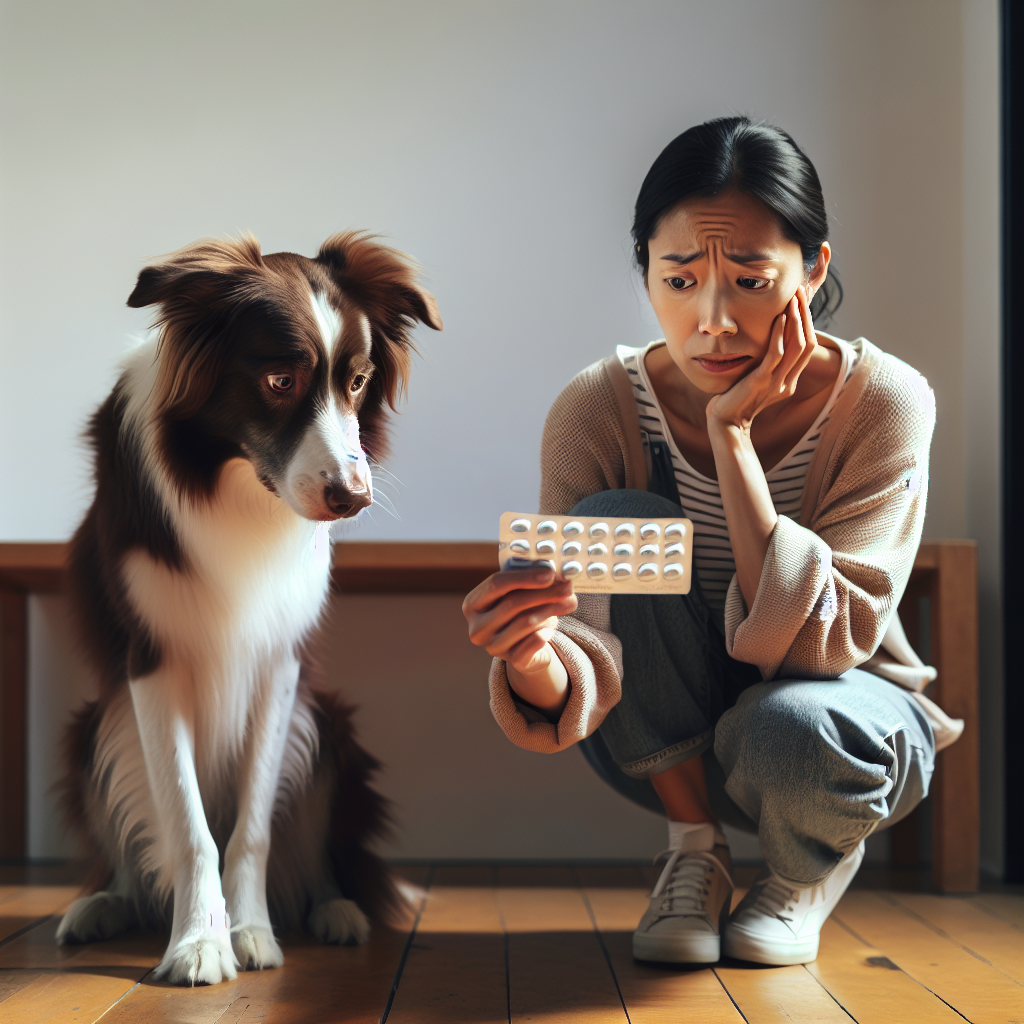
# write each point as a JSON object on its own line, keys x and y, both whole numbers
{"x": 232, "y": 439}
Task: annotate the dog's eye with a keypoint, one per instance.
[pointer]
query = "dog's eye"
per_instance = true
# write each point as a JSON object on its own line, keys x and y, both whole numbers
{"x": 280, "y": 381}
{"x": 357, "y": 382}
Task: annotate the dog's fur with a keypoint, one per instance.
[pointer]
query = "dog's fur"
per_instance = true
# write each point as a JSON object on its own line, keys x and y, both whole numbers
{"x": 232, "y": 438}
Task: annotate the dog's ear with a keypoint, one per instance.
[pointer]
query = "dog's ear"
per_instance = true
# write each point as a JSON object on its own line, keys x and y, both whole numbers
{"x": 195, "y": 288}
{"x": 383, "y": 283}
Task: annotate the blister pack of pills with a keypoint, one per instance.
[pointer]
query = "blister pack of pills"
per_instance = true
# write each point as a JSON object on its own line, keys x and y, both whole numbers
{"x": 602, "y": 554}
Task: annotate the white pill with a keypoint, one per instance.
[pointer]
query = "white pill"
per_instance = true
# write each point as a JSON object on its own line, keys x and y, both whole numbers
{"x": 545, "y": 547}
{"x": 570, "y": 569}
{"x": 547, "y": 563}
{"x": 571, "y": 529}
{"x": 646, "y": 550}
{"x": 548, "y": 526}
{"x": 675, "y": 530}
{"x": 649, "y": 530}
{"x": 520, "y": 526}
{"x": 599, "y": 530}
{"x": 622, "y": 570}
{"x": 572, "y": 547}
{"x": 597, "y": 550}
{"x": 623, "y": 550}
{"x": 625, "y": 530}
{"x": 673, "y": 571}
{"x": 648, "y": 571}
{"x": 675, "y": 550}
{"x": 596, "y": 570}
{"x": 520, "y": 547}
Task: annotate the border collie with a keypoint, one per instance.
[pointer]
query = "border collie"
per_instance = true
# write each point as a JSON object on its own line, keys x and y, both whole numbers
{"x": 230, "y": 442}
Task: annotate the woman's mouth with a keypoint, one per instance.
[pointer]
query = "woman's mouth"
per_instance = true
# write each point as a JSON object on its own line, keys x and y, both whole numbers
{"x": 721, "y": 364}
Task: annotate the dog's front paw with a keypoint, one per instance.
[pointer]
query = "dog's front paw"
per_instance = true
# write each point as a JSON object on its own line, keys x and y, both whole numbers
{"x": 256, "y": 948}
{"x": 340, "y": 922}
{"x": 208, "y": 960}
{"x": 92, "y": 918}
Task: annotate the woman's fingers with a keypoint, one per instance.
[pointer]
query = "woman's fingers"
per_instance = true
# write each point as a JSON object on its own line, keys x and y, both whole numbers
{"x": 809, "y": 343}
{"x": 486, "y": 595}
{"x": 538, "y": 605}
{"x": 542, "y": 620}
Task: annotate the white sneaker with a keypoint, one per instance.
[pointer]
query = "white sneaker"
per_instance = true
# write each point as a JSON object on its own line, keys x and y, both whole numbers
{"x": 688, "y": 906}
{"x": 777, "y": 924}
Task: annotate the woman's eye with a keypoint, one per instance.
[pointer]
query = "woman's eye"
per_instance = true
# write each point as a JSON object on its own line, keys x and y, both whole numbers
{"x": 753, "y": 284}
{"x": 678, "y": 283}
{"x": 357, "y": 382}
{"x": 280, "y": 382}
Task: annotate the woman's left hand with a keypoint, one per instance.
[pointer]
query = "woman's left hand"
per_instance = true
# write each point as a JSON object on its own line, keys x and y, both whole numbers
{"x": 790, "y": 347}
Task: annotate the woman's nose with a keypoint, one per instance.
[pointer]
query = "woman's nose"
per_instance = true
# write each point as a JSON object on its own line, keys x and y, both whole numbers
{"x": 715, "y": 319}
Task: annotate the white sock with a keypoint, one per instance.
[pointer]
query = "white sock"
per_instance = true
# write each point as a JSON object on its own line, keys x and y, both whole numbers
{"x": 689, "y": 836}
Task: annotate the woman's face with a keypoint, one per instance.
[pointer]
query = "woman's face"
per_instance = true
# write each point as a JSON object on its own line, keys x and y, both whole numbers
{"x": 720, "y": 272}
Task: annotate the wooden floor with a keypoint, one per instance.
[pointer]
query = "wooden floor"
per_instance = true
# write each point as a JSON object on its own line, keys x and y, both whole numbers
{"x": 546, "y": 944}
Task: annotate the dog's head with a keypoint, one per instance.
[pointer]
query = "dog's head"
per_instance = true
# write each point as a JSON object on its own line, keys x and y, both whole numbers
{"x": 289, "y": 362}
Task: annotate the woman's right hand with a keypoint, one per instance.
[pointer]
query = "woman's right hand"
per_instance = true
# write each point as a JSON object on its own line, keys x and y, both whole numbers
{"x": 513, "y": 615}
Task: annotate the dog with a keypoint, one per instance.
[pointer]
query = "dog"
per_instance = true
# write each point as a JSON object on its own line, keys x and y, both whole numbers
{"x": 247, "y": 422}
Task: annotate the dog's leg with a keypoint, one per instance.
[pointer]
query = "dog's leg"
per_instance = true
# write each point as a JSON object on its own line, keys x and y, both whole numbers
{"x": 102, "y": 915}
{"x": 199, "y": 952}
{"x": 245, "y": 859}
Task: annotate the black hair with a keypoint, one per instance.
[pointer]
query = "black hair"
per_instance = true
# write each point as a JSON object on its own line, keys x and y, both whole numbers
{"x": 755, "y": 158}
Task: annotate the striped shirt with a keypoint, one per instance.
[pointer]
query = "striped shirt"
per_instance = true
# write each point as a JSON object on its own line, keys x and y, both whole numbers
{"x": 700, "y": 495}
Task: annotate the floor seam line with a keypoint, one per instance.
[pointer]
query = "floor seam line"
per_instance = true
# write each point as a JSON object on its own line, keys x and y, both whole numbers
{"x": 601, "y": 943}
{"x": 405, "y": 951}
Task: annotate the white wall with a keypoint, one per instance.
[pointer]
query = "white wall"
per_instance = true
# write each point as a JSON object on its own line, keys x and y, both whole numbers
{"x": 502, "y": 144}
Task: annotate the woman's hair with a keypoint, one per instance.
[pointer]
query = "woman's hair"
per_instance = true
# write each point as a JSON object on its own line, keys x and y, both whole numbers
{"x": 755, "y": 158}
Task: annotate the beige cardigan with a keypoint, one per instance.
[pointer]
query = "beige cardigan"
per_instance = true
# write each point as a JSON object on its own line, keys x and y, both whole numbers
{"x": 828, "y": 590}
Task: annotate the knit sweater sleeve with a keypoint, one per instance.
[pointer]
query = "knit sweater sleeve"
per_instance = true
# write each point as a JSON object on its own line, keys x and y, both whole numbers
{"x": 583, "y": 451}
{"x": 827, "y": 590}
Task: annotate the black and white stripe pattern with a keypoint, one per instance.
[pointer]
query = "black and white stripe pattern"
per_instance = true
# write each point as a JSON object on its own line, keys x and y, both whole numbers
{"x": 700, "y": 496}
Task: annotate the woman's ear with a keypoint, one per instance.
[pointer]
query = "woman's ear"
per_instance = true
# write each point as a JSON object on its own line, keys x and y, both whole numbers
{"x": 816, "y": 278}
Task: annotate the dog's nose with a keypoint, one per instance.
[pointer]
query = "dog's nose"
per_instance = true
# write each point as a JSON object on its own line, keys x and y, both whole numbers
{"x": 344, "y": 502}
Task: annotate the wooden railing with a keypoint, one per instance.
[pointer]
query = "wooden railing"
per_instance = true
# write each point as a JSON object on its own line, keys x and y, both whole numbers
{"x": 945, "y": 572}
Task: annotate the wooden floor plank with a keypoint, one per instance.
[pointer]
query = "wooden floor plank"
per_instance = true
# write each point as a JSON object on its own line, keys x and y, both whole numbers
{"x": 557, "y": 968}
{"x": 655, "y": 995}
{"x": 870, "y": 987}
{"x": 455, "y": 971}
{"x": 983, "y": 994}
{"x": 1008, "y": 906}
{"x": 68, "y": 997}
{"x": 38, "y": 950}
{"x": 999, "y": 942}
{"x": 779, "y": 995}
{"x": 31, "y": 903}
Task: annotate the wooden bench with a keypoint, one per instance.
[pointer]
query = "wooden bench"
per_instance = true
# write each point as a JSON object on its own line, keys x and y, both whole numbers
{"x": 944, "y": 583}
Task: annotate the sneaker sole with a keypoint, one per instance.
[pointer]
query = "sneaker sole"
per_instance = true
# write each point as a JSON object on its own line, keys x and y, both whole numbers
{"x": 740, "y": 946}
{"x": 679, "y": 949}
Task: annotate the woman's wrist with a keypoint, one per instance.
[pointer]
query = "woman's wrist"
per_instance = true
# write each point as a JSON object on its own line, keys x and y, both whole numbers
{"x": 545, "y": 687}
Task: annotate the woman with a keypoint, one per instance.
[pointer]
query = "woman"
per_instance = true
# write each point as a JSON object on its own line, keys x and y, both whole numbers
{"x": 802, "y": 461}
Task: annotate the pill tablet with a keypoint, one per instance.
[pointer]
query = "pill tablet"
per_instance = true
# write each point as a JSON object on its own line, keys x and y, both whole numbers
{"x": 570, "y": 569}
{"x": 571, "y": 529}
{"x": 545, "y": 547}
{"x": 599, "y": 530}
{"x": 675, "y": 530}
{"x": 623, "y": 551}
{"x": 648, "y": 571}
{"x": 624, "y": 530}
{"x": 572, "y": 547}
{"x": 547, "y": 563}
{"x": 622, "y": 570}
{"x": 674, "y": 550}
{"x": 596, "y": 570}
{"x": 597, "y": 550}
{"x": 520, "y": 547}
{"x": 649, "y": 530}
{"x": 548, "y": 526}
{"x": 520, "y": 526}
{"x": 646, "y": 550}
{"x": 673, "y": 571}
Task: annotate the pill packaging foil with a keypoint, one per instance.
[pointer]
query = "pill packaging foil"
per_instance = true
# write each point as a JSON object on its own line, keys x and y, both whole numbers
{"x": 602, "y": 555}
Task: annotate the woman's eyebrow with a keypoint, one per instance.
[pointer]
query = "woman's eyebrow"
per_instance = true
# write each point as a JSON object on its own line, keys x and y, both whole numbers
{"x": 732, "y": 257}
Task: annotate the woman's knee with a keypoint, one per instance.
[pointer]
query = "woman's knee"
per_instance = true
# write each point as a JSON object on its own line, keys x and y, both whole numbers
{"x": 627, "y": 504}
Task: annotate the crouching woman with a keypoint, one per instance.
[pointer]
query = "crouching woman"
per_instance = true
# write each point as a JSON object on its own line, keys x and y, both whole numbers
{"x": 802, "y": 461}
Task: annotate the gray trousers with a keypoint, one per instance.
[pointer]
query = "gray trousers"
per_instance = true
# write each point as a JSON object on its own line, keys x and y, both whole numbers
{"x": 811, "y": 766}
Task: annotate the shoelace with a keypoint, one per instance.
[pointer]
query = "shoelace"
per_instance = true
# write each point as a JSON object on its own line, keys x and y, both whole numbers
{"x": 683, "y": 884}
{"x": 774, "y": 898}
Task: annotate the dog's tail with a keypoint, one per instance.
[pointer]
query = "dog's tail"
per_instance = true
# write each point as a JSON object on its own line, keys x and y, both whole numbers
{"x": 359, "y": 815}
